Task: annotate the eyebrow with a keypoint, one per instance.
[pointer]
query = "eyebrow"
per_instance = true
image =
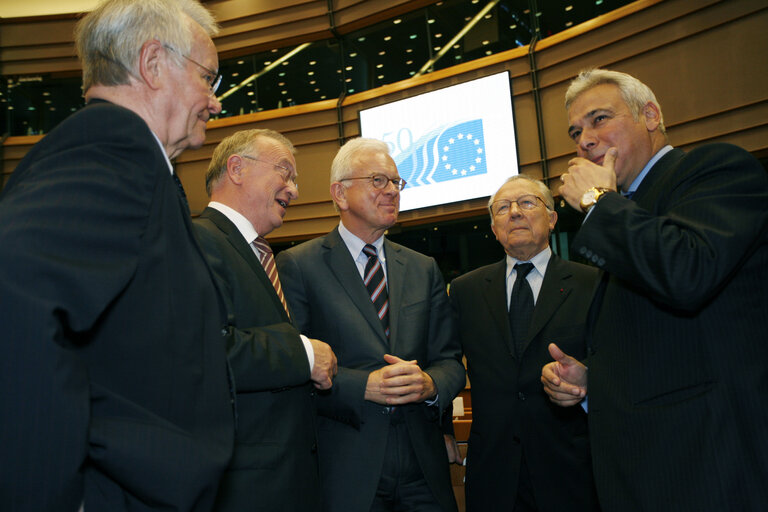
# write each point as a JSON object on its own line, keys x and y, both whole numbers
{"x": 590, "y": 115}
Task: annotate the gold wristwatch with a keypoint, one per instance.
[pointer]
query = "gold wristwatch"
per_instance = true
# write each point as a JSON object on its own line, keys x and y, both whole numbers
{"x": 591, "y": 196}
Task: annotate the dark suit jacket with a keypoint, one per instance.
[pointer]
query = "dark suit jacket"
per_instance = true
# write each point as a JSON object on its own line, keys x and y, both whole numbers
{"x": 274, "y": 466}
{"x": 330, "y": 302}
{"x": 113, "y": 374}
{"x": 511, "y": 414}
{"x": 678, "y": 373}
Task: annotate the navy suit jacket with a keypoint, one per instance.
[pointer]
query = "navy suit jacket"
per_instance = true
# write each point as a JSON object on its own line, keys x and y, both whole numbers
{"x": 678, "y": 365}
{"x": 511, "y": 414}
{"x": 274, "y": 466}
{"x": 330, "y": 302}
{"x": 113, "y": 373}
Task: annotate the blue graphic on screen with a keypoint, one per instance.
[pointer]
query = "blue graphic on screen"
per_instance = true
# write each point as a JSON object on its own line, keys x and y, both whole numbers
{"x": 444, "y": 154}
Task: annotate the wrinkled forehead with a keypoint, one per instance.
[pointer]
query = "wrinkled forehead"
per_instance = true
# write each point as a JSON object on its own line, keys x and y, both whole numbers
{"x": 374, "y": 162}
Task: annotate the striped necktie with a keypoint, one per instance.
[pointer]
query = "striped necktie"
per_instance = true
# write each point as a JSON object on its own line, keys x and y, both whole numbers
{"x": 376, "y": 284}
{"x": 268, "y": 262}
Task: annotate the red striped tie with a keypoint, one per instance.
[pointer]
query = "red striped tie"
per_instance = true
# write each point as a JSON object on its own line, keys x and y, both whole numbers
{"x": 374, "y": 281}
{"x": 268, "y": 262}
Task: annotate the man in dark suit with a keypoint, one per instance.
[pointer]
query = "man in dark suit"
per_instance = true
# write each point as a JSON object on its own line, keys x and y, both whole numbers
{"x": 251, "y": 181}
{"x": 677, "y": 362}
{"x": 380, "y": 442}
{"x": 520, "y": 443}
{"x": 114, "y": 392}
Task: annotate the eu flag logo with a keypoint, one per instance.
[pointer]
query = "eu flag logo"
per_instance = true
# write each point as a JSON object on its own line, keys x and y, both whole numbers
{"x": 444, "y": 154}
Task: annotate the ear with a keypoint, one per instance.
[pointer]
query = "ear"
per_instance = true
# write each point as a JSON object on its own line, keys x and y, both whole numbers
{"x": 235, "y": 169}
{"x": 151, "y": 58}
{"x": 339, "y": 195}
{"x": 652, "y": 116}
{"x": 552, "y": 220}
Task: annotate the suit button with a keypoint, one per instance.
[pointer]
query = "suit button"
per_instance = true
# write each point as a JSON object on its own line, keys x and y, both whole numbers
{"x": 521, "y": 395}
{"x": 223, "y": 332}
{"x": 600, "y": 262}
{"x": 582, "y": 250}
{"x": 595, "y": 257}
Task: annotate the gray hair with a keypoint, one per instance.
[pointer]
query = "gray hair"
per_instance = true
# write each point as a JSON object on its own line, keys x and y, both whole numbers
{"x": 239, "y": 142}
{"x": 109, "y": 39}
{"x": 342, "y": 162}
{"x": 549, "y": 201}
{"x": 634, "y": 92}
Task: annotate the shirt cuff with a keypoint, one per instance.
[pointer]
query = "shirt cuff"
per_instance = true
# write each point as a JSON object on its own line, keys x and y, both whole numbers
{"x": 310, "y": 352}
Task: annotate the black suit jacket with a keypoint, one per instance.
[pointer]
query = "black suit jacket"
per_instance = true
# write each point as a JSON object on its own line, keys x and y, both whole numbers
{"x": 113, "y": 374}
{"x": 511, "y": 414}
{"x": 678, "y": 373}
{"x": 330, "y": 302}
{"x": 274, "y": 466}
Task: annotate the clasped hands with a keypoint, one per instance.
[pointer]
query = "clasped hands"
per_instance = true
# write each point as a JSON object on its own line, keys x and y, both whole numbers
{"x": 583, "y": 174}
{"x": 325, "y": 367}
{"x": 564, "y": 379}
{"x": 400, "y": 382}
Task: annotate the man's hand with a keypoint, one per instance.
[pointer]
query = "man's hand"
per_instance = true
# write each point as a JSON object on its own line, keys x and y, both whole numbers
{"x": 401, "y": 382}
{"x": 454, "y": 455}
{"x": 325, "y": 367}
{"x": 583, "y": 174}
{"x": 564, "y": 379}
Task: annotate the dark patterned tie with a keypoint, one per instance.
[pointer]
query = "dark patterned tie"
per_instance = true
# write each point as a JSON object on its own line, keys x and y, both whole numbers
{"x": 377, "y": 286}
{"x": 520, "y": 306}
{"x": 268, "y": 262}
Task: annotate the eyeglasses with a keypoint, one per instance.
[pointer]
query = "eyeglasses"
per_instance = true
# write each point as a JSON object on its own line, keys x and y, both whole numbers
{"x": 527, "y": 202}
{"x": 213, "y": 78}
{"x": 380, "y": 181}
{"x": 288, "y": 177}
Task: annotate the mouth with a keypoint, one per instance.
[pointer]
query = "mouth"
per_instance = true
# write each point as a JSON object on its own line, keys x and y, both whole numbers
{"x": 598, "y": 159}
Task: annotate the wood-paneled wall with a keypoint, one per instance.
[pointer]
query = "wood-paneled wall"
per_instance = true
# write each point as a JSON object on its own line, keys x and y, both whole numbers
{"x": 704, "y": 59}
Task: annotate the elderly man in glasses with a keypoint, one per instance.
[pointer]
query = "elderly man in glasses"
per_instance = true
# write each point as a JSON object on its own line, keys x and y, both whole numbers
{"x": 114, "y": 392}
{"x": 251, "y": 180}
{"x": 521, "y": 444}
{"x": 384, "y": 310}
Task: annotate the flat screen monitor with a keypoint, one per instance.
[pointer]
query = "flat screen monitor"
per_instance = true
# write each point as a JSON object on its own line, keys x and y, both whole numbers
{"x": 452, "y": 144}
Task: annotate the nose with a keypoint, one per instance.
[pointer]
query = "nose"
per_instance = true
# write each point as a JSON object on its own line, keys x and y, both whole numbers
{"x": 214, "y": 105}
{"x": 514, "y": 210}
{"x": 293, "y": 190}
{"x": 587, "y": 140}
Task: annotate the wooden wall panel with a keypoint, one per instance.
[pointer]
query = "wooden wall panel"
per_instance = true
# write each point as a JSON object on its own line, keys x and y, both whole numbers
{"x": 705, "y": 59}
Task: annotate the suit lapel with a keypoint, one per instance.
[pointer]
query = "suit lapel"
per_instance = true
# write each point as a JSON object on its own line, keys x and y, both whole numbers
{"x": 495, "y": 296}
{"x": 396, "y": 270}
{"x": 343, "y": 267}
{"x": 236, "y": 240}
{"x": 554, "y": 290}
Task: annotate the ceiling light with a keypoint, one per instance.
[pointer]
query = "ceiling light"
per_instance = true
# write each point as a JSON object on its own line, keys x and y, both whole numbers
{"x": 387, "y": 38}
{"x": 379, "y": 66}
{"x": 312, "y": 62}
{"x": 397, "y": 21}
{"x": 241, "y": 62}
{"x": 568, "y": 8}
{"x": 353, "y": 54}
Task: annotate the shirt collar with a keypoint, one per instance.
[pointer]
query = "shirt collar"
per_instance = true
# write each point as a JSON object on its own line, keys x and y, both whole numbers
{"x": 162, "y": 150}
{"x": 242, "y": 224}
{"x": 540, "y": 261}
{"x": 355, "y": 244}
{"x": 636, "y": 183}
